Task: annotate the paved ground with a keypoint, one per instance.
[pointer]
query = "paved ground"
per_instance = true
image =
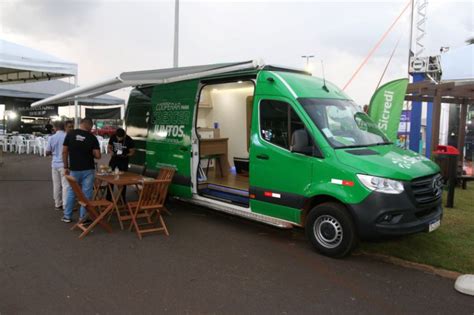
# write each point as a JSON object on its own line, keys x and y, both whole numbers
{"x": 211, "y": 263}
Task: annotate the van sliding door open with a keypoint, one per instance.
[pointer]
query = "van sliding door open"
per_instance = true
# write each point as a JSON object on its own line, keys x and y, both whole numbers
{"x": 223, "y": 131}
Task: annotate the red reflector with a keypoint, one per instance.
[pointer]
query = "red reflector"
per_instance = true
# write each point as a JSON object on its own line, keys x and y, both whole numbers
{"x": 347, "y": 183}
{"x": 267, "y": 194}
{"x": 252, "y": 196}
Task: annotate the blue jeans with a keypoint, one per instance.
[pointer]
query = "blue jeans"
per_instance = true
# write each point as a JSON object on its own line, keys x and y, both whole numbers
{"x": 85, "y": 179}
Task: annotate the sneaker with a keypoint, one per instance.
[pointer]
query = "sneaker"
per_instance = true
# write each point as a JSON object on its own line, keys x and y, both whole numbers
{"x": 60, "y": 208}
{"x": 66, "y": 220}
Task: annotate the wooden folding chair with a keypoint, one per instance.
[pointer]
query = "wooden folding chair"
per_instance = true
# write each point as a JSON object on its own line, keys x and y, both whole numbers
{"x": 96, "y": 210}
{"x": 100, "y": 190}
{"x": 166, "y": 173}
{"x": 151, "y": 201}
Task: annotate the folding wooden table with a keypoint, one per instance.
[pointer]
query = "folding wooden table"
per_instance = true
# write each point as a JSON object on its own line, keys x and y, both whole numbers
{"x": 121, "y": 180}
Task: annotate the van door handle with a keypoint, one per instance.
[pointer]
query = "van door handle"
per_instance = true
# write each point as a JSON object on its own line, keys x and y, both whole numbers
{"x": 183, "y": 149}
{"x": 263, "y": 157}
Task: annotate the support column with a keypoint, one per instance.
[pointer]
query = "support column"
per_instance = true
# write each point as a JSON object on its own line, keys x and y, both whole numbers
{"x": 462, "y": 130}
{"x": 415, "y": 118}
{"x": 436, "y": 120}
{"x": 429, "y": 128}
{"x": 77, "y": 110}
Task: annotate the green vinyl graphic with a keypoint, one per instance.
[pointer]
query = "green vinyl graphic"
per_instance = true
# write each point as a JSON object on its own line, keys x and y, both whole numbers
{"x": 169, "y": 136}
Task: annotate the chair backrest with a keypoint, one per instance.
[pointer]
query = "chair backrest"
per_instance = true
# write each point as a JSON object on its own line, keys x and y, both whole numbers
{"x": 166, "y": 173}
{"x": 153, "y": 193}
{"x": 81, "y": 198}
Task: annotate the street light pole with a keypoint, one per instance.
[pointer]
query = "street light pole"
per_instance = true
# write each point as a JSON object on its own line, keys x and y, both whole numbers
{"x": 176, "y": 34}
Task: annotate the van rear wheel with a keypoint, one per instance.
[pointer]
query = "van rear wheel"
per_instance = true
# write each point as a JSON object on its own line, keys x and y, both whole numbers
{"x": 330, "y": 229}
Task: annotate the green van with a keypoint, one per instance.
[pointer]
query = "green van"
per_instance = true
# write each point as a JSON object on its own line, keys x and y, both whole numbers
{"x": 285, "y": 148}
{"x": 279, "y": 146}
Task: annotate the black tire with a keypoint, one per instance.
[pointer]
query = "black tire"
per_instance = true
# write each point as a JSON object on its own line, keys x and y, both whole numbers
{"x": 330, "y": 229}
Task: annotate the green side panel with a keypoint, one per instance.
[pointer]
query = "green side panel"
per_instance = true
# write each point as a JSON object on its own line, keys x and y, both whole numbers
{"x": 169, "y": 136}
{"x": 277, "y": 211}
{"x": 137, "y": 119}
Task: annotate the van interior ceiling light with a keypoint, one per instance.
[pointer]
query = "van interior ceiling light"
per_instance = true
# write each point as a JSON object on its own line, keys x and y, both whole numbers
{"x": 380, "y": 184}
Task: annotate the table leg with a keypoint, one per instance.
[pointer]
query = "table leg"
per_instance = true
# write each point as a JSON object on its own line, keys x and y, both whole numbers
{"x": 114, "y": 201}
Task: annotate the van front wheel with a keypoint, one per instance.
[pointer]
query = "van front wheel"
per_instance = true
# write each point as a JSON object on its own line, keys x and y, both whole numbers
{"x": 330, "y": 229}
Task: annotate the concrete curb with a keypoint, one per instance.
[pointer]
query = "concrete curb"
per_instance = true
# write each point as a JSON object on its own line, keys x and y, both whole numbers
{"x": 453, "y": 275}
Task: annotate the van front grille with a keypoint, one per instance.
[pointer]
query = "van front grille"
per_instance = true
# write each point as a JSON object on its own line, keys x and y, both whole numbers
{"x": 427, "y": 189}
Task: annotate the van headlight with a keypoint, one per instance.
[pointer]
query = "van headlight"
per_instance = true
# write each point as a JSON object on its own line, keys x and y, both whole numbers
{"x": 380, "y": 184}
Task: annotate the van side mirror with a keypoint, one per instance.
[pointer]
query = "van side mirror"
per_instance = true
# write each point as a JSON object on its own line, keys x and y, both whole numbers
{"x": 301, "y": 143}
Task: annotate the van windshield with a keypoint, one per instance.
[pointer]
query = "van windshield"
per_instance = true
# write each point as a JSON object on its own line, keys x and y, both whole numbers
{"x": 343, "y": 125}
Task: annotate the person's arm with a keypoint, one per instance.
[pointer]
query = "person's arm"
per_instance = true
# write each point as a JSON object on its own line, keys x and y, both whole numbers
{"x": 96, "y": 149}
{"x": 66, "y": 159}
{"x": 49, "y": 148}
{"x": 131, "y": 148}
{"x": 110, "y": 147}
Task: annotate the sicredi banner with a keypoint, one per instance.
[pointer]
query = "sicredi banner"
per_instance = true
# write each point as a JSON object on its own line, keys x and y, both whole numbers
{"x": 386, "y": 106}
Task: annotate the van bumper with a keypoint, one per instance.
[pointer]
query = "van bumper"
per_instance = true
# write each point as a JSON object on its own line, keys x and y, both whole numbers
{"x": 383, "y": 214}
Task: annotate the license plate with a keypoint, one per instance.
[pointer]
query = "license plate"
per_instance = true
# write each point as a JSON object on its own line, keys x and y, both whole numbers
{"x": 434, "y": 225}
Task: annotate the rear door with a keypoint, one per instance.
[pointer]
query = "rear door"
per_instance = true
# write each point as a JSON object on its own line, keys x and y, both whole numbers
{"x": 137, "y": 121}
{"x": 279, "y": 178}
{"x": 169, "y": 137}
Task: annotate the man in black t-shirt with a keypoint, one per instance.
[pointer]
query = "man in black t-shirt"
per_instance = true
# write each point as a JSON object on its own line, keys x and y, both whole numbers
{"x": 79, "y": 150}
{"x": 122, "y": 147}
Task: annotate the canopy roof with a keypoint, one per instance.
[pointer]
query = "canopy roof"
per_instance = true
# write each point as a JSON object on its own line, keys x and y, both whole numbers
{"x": 149, "y": 77}
{"x": 22, "y": 64}
{"x": 44, "y": 89}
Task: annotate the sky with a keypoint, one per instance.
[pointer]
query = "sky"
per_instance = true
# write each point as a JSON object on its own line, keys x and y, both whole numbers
{"x": 106, "y": 37}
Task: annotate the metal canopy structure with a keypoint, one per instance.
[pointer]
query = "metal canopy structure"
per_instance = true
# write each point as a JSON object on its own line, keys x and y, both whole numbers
{"x": 19, "y": 64}
{"x": 43, "y": 89}
{"x": 149, "y": 77}
{"x": 455, "y": 92}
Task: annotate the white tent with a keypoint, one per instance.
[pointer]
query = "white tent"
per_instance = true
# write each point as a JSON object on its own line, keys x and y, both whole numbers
{"x": 22, "y": 64}
{"x": 160, "y": 76}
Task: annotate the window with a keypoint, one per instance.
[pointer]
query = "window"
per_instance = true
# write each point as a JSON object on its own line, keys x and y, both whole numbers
{"x": 342, "y": 123}
{"x": 138, "y": 114}
{"x": 278, "y": 121}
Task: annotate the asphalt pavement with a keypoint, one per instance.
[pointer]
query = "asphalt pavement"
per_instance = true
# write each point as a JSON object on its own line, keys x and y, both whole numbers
{"x": 211, "y": 263}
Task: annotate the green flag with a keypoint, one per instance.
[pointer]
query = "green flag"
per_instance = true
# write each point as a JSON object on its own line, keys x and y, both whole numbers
{"x": 386, "y": 106}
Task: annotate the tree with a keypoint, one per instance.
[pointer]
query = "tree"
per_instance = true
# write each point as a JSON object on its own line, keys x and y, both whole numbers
{"x": 470, "y": 41}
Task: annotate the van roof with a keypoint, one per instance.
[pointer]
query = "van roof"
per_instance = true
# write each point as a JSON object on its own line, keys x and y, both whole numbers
{"x": 160, "y": 76}
{"x": 307, "y": 86}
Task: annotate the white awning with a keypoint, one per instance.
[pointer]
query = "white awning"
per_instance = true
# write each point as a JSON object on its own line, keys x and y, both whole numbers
{"x": 159, "y": 76}
{"x": 22, "y": 64}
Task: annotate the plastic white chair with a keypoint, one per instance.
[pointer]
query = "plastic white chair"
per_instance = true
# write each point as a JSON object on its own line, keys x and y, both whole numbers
{"x": 4, "y": 143}
{"x": 39, "y": 146}
{"x": 20, "y": 144}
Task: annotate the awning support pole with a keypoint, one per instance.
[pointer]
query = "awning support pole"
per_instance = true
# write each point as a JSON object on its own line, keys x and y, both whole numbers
{"x": 77, "y": 114}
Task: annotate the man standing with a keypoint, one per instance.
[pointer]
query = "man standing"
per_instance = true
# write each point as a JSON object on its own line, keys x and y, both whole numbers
{"x": 68, "y": 126}
{"x": 55, "y": 148}
{"x": 79, "y": 150}
{"x": 122, "y": 147}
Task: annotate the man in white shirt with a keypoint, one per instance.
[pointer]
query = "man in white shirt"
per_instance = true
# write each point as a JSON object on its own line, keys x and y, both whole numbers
{"x": 55, "y": 148}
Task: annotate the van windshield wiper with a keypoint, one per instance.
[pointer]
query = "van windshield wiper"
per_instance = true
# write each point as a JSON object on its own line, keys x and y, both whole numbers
{"x": 363, "y": 145}
{"x": 379, "y": 143}
{"x": 352, "y": 146}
